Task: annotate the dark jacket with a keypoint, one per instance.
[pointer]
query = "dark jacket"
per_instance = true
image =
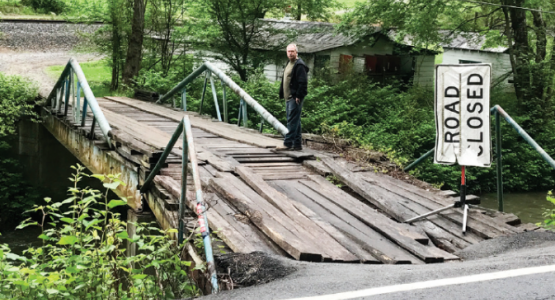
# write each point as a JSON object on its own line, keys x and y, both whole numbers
{"x": 299, "y": 81}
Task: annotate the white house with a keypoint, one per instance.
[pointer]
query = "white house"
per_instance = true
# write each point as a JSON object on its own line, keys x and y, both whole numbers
{"x": 469, "y": 49}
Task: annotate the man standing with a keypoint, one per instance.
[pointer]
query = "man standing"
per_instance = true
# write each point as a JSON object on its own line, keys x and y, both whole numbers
{"x": 293, "y": 89}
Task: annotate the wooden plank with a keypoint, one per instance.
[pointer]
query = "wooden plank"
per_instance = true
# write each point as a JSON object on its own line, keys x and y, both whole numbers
{"x": 222, "y": 164}
{"x": 225, "y": 231}
{"x": 264, "y": 165}
{"x": 378, "y": 222}
{"x": 217, "y": 128}
{"x": 290, "y": 208}
{"x": 267, "y": 223}
{"x": 296, "y": 154}
{"x": 317, "y": 166}
{"x": 284, "y": 176}
{"x": 265, "y": 159}
{"x": 368, "y": 192}
{"x": 380, "y": 247}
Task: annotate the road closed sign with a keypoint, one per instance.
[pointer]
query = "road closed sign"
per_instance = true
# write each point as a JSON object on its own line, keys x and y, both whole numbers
{"x": 462, "y": 97}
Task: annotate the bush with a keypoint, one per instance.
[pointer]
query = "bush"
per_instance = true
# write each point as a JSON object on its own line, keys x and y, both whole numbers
{"x": 16, "y": 101}
{"x": 82, "y": 256}
{"x": 46, "y": 6}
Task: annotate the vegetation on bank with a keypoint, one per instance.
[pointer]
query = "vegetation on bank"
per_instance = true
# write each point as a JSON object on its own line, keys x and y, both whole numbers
{"x": 17, "y": 97}
{"x": 83, "y": 255}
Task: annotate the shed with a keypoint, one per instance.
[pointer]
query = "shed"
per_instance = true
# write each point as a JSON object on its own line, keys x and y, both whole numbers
{"x": 375, "y": 54}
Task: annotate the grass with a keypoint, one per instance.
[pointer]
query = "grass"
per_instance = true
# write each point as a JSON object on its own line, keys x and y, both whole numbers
{"x": 98, "y": 75}
{"x": 349, "y": 3}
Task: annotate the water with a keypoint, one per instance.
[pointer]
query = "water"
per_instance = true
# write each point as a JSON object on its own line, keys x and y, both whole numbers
{"x": 529, "y": 207}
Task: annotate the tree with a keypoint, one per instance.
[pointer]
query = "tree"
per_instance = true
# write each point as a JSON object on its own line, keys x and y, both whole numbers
{"x": 233, "y": 31}
{"x": 504, "y": 22}
{"x": 135, "y": 46}
{"x": 313, "y": 9}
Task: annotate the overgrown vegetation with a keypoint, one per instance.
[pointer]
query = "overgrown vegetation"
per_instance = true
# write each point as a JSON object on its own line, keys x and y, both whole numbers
{"x": 17, "y": 97}
{"x": 83, "y": 254}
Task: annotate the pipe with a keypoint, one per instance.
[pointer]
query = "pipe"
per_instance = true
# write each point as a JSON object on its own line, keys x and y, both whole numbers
{"x": 525, "y": 135}
{"x": 248, "y": 99}
{"x": 91, "y": 100}
{"x": 183, "y": 84}
{"x": 162, "y": 159}
{"x": 201, "y": 209}
{"x": 418, "y": 161}
{"x": 499, "y": 161}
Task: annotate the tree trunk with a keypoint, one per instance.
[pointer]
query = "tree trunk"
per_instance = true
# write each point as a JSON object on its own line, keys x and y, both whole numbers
{"x": 135, "y": 46}
{"x": 299, "y": 12}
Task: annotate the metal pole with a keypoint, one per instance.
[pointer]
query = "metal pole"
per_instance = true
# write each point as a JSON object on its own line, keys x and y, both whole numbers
{"x": 418, "y": 161}
{"x": 78, "y": 106}
{"x": 92, "y": 127}
{"x": 226, "y": 113}
{"x": 245, "y": 116}
{"x": 261, "y": 124}
{"x": 84, "y": 111}
{"x": 201, "y": 210}
{"x": 463, "y": 198}
{"x": 183, "y": 197}
{"x": 67, "y": 94}
{"x": 240, "y": 112}
{"x": 203, "y": 92}
{"x": 525, "y": 135}
{"x": 214, "y": 94}
{"x": 184, "y": 99}
{"x": 499, "y": 161}
{"x": 162, "y": 159}
{"x": 183, "y": 83}
{"x": 429, "y": 214}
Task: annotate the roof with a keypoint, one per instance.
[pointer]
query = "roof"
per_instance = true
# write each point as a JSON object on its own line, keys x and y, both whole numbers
{"x": 312, "y": 36}
{"x": 470, "y": 41}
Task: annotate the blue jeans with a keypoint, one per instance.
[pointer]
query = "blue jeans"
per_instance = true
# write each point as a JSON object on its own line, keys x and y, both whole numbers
{"x": 293, "y": 138}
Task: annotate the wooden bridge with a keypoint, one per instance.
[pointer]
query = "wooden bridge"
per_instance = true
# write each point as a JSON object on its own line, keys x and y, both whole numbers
{"x": 260, "y": 198}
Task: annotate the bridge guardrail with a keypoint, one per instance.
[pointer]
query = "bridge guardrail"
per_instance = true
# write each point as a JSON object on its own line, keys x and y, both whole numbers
{"x": 498, "y": 111}
{"x": 67, "y": 88}
{"x": 184, "y": 129}
{"x": 226, "y": 81}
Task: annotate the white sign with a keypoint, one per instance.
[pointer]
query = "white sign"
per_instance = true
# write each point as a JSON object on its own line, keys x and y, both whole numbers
{"x": 462, "y": 115}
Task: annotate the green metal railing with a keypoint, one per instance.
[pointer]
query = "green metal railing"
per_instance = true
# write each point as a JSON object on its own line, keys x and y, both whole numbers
{"x": 67, "y": 92}
{"x": 498, "y": 111}
{"x": 184, "y": 130}
{"x": 246, "y": 99}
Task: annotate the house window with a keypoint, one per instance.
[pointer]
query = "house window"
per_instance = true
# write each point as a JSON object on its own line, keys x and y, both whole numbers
{"x": 344, "y": 62}
{"x": 462, "y": 61}
{"x": 382, "y": 64}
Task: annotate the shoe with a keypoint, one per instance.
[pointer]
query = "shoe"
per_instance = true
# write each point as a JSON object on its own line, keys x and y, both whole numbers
{"x": 298, "y": 148}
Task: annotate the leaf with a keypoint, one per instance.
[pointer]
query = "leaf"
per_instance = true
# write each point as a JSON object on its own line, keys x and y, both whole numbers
{"x": 71, "y": 270}
{"x": 68, "y": 240}
{"x": 91, "y": 223}
{"x": 99, "y": 176}
{"x": 114, "y": 203}
{"x": 139, "y": 276}
{"x": 67, "y": 220}
{"x": 123, "y": 235}
{"x": 52, "y": 291}
{"x": 112, "y": 186}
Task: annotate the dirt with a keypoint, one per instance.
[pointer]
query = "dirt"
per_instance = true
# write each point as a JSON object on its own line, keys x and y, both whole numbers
{"x": 32, "y": 65}
{"x": 242, "y": 270}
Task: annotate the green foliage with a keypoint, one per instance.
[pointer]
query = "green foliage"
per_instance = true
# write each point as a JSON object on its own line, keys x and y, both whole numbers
{"x": 46, "y": 6}
{"x": 83, "y": 257}
{"x": 16, "y": 101}
{"x": 549, "y": 214}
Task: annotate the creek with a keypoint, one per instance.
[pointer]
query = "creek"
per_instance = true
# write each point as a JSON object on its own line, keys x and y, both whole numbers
{"x": 529, "y": 206}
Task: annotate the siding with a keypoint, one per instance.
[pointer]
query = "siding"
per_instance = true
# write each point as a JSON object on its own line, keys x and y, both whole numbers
{"x": 424, "y": 70}
{"x": 500, "y": 62}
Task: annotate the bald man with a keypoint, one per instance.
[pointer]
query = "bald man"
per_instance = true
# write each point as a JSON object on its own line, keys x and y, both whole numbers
{"x": 293, "y": 89}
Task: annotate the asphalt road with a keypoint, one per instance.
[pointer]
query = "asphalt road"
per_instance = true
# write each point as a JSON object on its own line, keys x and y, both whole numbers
{"x": 454, "y": 280}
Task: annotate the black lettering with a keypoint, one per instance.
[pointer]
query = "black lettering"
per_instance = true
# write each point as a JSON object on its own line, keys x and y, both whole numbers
{"x": 474, "y": 126}
{"x": 473, "y": 109}
{"x": 481, "y": 150}
{"x": 477, "y": 141}
{"x": 455, "y": 95}
{"x": 474, "y": 96}
{"x": 479, "y": 82}
{"x": 449, "y": 137}
{"x": 451, "y": 119}
{"x": 452, "y": 107}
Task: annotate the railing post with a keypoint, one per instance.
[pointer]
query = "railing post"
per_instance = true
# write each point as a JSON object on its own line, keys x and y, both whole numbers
{"x": 214, "y": 94}
{"x": 418, "y": 161}
{"x": 78, "y": 105}
{"x": 84, "y": 118}
{"x": 245, "y": 117}
{"x": 226, "y": 113}
{"x": 92, "y": 127}
{"x": 184, "y": 99}
{"x": 67, "y": 93}
{"x": 499, "y": 160}
{"x": 183, "y": 198}
{"x": 261, "y": 124}
{"x": 203, "y": 92}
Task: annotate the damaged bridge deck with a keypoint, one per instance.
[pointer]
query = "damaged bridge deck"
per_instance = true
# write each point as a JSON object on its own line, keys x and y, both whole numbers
{"x": 262, "y": 199}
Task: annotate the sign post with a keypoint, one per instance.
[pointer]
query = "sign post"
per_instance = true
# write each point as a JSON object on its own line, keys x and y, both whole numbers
{"x": 462, "y": 95}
